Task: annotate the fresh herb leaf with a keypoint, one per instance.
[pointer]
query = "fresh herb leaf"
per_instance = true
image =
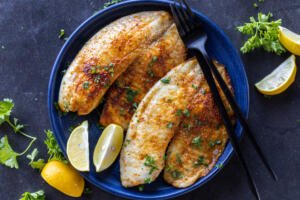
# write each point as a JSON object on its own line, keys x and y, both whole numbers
{"x": 86, "y": 85}
{"x": 148, "y": 180}
{"x": 197, "y": 142}
{"x": 54, "y": 151}
{"x": 219, "y": 165}
{"x": 166, "y": 80}
{"x": 6, "y": 107}
{"x": 8, "y": 156}
{"x": 213, "y": 143}
{"x": 141, "y": 188}
{"x": 39, "y": 164}
{"x": 130, "y": 94}
{"x": 178, "y": 158}
{"x": 110, "y": 3}
{"x": 150, "y": 162}
{"x": 186, "y": 112}
{"x": 195, "y": 86}
{"x": 61, "y": 34}
{"x": 35, "y": 164}
{"x": 170, "y": 125}
{"x": 255, "y": 5}
{"x": 200, "y": 161}
{"x": 39, "y": 195}
{"x": 176, "y": 174}
{"x": 179, "y": 112}
{"x": 263, "y": 34}
{"x": 87, "y": 191}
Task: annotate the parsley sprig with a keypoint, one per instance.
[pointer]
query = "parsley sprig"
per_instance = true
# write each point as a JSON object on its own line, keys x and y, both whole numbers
{"x": 263, "y": 34}
{"x": 38, "y": 195}
{"x": 8, "y": 156}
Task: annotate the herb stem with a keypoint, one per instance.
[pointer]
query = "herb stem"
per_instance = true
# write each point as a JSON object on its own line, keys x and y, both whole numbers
{"x": 28, "y": 147}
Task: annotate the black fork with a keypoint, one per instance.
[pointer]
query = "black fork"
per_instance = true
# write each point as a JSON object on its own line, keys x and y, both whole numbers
{"x": 194, "y": 37}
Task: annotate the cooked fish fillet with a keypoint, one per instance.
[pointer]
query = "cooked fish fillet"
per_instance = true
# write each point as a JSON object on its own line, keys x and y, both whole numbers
{"x": 130, "y": 88}
{"x": 199, "y": 140}
{"x": 154, "y": 123}
{"x": 105, "y": 56}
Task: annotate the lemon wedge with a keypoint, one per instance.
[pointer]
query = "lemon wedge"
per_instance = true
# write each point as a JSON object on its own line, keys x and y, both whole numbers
{"x": 63, "y": 177}
{"x": 78, "y": 147}
{"x": 280, "y": 79}
{"x": 290, "y": 40}
{"x": 108, "y": 147}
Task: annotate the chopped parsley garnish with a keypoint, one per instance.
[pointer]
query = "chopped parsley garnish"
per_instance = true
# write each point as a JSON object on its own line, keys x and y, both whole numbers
{"x": 176, "y": 174}
{"x": 263, "y": 33}
{"x": 197, "y": 142}
{"x": 198, "y": 122}
{"x": 203, "y": 91}
{"x": 170, "y": 125}
{"x": 214, "y": 143}
{"x": 179, "y": 112}
{"x": 61, "y": 34}
{"x": 122, "y": 112}
{"x": 165, "y": 80}
{"x": 38, "y": 195}
{"x": 59, "y": 111}
{"x": 93, "y": 70}
{"x": 188, "y": 127}
{"x": 150, "y": 162}
{"x": 86, "y": 85}
{"x": 194, "y": 86}
{"x": 200, "y": 161}
{"x": 141, "y": 188}
{"x": 130, "y": 94}
{"x": 186, "y": 112}
{"x": 135, "y": 105}
{"x": 127, "y": 142}
{"x": 110, "y": 3}
{"x": 219, "y": 165}
{"x": 148, "y": 180}
{"x": 178, "y": 158}
{"x": 151, "y": 63}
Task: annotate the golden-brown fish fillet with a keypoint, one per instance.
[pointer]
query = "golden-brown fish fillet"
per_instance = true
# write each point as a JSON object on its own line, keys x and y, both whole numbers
{"x": 131, "y": 87}
{"x": 199, "y": 140}
{"x": 105, "y": 56}
{"x": 154, "y": 123}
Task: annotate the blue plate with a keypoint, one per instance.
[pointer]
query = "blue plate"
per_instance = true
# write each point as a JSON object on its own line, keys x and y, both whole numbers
{"x": 218, "y": 46}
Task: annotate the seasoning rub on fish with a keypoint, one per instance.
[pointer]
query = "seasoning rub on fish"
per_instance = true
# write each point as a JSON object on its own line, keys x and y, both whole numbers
{"x": 131, "y": 87}
{"x": 154, "y": 123}
{"x": 105, "y": 56}
{"x": 200, "y": 138}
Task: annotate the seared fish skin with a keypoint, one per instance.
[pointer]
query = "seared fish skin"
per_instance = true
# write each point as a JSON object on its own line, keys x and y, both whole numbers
{"x": 131, "y": 87}
{"x": 154, "y": 123}
{"x": 105, "y": 56}
{"x": 200, "y": 138}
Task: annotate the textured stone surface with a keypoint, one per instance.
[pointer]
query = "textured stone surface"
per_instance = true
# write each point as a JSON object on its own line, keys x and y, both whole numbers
{"x": 29, "y": 44}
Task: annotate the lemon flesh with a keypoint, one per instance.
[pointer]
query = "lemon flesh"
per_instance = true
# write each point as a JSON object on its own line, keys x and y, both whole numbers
{"x": 78, "y": 147}
{"x": 108, "y": 147}
{"x": 290, "y": 40}
{"x": 64, "y": 178}
{"x": 280, "y": 79}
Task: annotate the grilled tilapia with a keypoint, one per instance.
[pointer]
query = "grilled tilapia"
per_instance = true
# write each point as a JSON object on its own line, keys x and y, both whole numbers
{"x": 130, "y": 88}
{"x": 200, "y": 138}
{"x": 105, "y": 56}
{"x": 154, "y": 123}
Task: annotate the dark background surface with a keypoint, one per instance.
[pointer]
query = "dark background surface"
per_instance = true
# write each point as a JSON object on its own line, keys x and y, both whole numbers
{"x": 29, "y": 44}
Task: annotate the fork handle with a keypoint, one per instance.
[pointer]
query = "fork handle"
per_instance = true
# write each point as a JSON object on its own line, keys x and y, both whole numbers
{"x": 204, "y": 62}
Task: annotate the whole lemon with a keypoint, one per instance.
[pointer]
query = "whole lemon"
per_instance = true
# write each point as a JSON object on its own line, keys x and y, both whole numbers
{"x": 64, "y": 178}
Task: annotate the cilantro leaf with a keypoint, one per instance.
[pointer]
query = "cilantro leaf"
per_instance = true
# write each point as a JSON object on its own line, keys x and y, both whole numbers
{"x": 6, "y": 107}
{"x": 38, "y": 195}
{"x": 263, "y": 34}
{"x": 8, "y": 156}
{"x": 54, "y": 151}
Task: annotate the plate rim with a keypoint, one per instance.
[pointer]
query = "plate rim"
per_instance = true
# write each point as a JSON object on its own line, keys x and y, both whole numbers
{"x": 51, "y": 100}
